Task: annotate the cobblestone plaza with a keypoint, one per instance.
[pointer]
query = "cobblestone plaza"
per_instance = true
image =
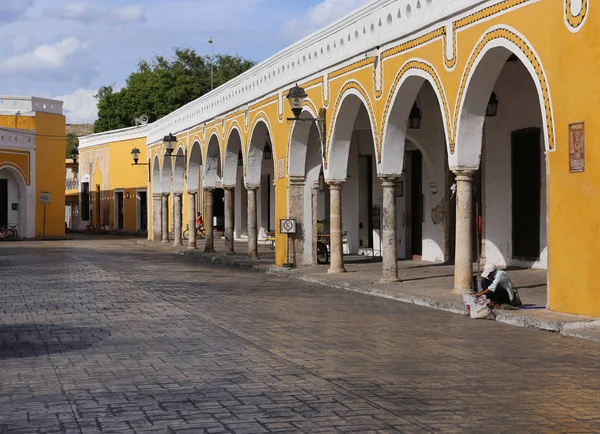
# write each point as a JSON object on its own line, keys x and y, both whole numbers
{"x": 104, "y": 335}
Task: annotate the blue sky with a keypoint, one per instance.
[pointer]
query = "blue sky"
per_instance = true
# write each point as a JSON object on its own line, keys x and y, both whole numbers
{"x": 67, "y": 49}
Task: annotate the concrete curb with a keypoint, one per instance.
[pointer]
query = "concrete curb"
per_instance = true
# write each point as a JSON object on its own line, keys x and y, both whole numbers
{"x": 565, "y": 328}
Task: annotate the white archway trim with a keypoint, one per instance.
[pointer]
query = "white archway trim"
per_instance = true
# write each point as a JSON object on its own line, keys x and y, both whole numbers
{"x": 405, "y": 89}
{"x": 515, "y": 43}
{"x": 253, "y": 167}
{"x": 27, "y": 201}
{"x": 156, "y": 187}
{"x": 575, "y": 15}
{"x": 230, "y": 161}
{"x": 212, "y": 159}
{"x": 426, "y": 159}
{"x": 338, "y": 140}
{"x": 298, "y": 141}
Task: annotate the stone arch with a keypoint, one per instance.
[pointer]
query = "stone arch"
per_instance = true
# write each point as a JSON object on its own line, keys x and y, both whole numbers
{"x": 345, "y": 112}
{"x": 260, "y": 134}
{"x": 404, "y": 91}
{"x": 166, "y": 175}
{"x": 426, "y": 158}
{"x": 212, "y": 169}
{"x": 480, "y": 76}
{"x": 156, "y": 180}
{"x": 24, "y": 217}
{"x": 179, "y": 170}
{"x": 298, "y": 144}
{"x": 194, "y": 167}
{"x": 233, "y": 147}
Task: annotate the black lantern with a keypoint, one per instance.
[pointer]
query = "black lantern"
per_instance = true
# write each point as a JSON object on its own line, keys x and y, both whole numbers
{"x": 75, "y": 154}
{"x": 492, "y": 107}
{"x": 240, "y": 159}
{"x": 135, "y": 153}
{"x": 414, "y": 119}
{"x": 169, "y": 142}
{"x": 296, "y": 98}
{"x": 267, "y": 152}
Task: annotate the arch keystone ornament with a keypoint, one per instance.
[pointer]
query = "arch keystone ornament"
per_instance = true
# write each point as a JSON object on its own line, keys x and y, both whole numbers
{"x": 576, "y": 12}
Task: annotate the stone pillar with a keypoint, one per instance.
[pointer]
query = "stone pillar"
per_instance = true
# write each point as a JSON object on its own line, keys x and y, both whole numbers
{"x": 156, "y": 217}
{"x": 229, "y": 220}
{"x": 296, "y": 211}
{"x": 315, "y": 216}
{"x": 177, "y": 218}
{"x": 463, "y": 263}
{"x": 192, "y": 220}
{"x": 335, "y": 222}
{"x": 252, "y": 222}
{"x": 208, "y": 221}
{"x": 389, "y": 239}
{"x": 165, "y": 217}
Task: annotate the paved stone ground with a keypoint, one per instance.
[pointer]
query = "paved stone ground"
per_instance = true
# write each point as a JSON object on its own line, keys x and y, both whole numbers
{"x": 102, "y": 335}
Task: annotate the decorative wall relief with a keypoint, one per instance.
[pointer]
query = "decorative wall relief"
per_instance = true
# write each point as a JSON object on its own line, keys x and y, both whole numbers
{"x": 438, "y": 214}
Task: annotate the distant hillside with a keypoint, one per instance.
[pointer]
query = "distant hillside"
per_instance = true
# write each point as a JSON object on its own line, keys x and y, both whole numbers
{"x": 80, "y": 129}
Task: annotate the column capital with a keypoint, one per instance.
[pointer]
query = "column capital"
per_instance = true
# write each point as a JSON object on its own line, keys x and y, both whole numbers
{"x": 297, "y": 180}
{"x": 464, "y": 174}
{"x": 178, "y": 194}
{"x": 156, "y": 195}
{"x": 251, "y": 187}
{"x": 315, "y": 187}
{"x": 389, "y": 180}
{"x": 228, "y": 187}
{"x": 209, "y": 189}
{"x": 165, "y": 194}
{"x": 192, "y": 192}
{"x": 335, "y": 184}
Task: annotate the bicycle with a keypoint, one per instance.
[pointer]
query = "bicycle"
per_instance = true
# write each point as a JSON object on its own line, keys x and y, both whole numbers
{"x": 90, "y": 229}
{"x": 200, "y": 232}
{"x": 322, "y": 250}
{"x": 9, "y": 233}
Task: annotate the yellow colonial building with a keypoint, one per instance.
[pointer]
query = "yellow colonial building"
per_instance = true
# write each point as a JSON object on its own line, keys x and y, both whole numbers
{"x": 32, "y": 166}
{"x": 112, "y": 193}
{"x": 424, "y": 129}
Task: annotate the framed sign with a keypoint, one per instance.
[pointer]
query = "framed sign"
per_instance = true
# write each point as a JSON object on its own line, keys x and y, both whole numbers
{"x": 45, "y": 197}
{"x": 576, "y": 147}
{"x": 287, "y": 226}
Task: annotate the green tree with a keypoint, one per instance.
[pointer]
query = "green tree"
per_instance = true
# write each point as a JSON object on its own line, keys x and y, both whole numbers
{"x": 72, "y": 142}
{"x": 162, "y": 85}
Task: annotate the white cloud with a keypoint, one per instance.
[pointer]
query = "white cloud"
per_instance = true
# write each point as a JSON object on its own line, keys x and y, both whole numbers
{"x": 80, "y": 106}
{"x": 11, "y": 10}
{"x": 88, "y": 13}
{"x": 320, "y": 16}
{"x": 44, "y": 58}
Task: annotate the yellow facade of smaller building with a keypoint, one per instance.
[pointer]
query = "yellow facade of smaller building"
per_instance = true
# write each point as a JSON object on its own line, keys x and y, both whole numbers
{"x": 32, "y": 166}
{"x": 115, "y": 199}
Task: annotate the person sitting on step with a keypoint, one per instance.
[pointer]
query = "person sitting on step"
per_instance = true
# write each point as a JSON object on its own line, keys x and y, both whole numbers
{"x": 498, "y": 288}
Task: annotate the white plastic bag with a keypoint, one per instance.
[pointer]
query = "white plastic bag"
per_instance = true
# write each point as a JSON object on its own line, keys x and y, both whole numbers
{"x": 480, "y": 311}
{"x": 477, "y": 306}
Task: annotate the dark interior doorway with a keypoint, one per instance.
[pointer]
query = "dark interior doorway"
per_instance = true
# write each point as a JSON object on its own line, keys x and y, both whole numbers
{"x": 143, "y": 224}
{"x": 119, "y": 202}
{"x": 416, "y": 202}
{"x": 526, "y": 193}
{"x": 219, "y": 208}
{"x": 3, "y": 202}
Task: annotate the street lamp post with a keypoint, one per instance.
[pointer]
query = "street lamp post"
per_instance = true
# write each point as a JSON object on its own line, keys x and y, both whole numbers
{"x": 212, "y": 62}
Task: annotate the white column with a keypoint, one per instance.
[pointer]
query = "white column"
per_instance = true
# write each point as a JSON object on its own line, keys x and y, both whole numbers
{"x": 390, "y": 241}
{"x": 177, "y": 218}
{"x": 252, "y": 222}
{"x": 208, "y": 221}
{"x": 335, "y": 221}
{"x": 229, "y": 220}
{"x": 463, "y": 263}
{"x": 156, "y": 217}
{"x": 192, "y": 220}
{"x": 165, "y": 217}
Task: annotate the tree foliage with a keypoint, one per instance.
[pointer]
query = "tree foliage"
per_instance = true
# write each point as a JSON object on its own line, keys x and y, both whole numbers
{"x": 162, "y": 85}
{"x": 72, "y": 142}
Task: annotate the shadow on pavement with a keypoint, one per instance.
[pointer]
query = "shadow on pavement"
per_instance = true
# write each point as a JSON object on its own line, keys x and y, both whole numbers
{"x": 27, "y": 340}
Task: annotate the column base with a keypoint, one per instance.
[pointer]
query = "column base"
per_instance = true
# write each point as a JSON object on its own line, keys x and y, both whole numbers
{"x": 209, "y": 250}
{"x": 229, "y": 253}
{"x": 390, "y": 280}
{"x": 336, "y": 270}
{"x": 177, "y": 244}
{"x": 462, "y": 290}
{"x": 165, "y": 241}
{"x": 253, "y": 256}
{"x": 192, "y": 248}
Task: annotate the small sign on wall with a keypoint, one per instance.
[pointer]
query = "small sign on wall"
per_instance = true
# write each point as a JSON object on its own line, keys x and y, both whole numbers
{"x": 45, "y": 197}
{"x": 287, "y": 226}
{"x": 15, "y": 207}
{"x": 576, "y": 147}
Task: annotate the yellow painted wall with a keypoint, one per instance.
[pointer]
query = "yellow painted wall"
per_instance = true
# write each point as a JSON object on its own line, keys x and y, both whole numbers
{"x": 50, "y": 167}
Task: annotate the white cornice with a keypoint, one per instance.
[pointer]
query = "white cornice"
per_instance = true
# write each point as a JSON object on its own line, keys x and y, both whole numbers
{"x": 379, "y": 23}
{"x": 113, "y": 136}
{"x": 27, "y": 105}
{"x": 11, "y": 138}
